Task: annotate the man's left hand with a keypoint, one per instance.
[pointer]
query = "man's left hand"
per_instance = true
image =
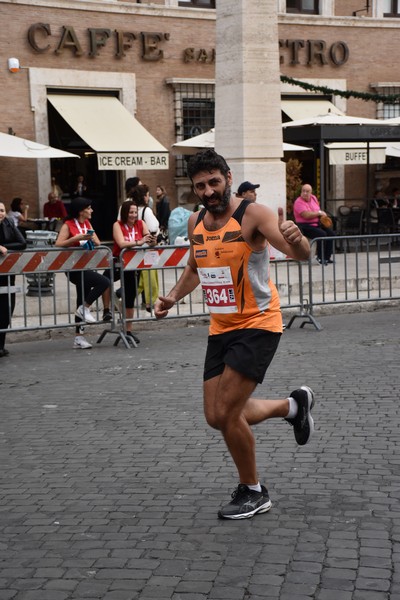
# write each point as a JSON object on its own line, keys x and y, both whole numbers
{"x": 289, "y": 229}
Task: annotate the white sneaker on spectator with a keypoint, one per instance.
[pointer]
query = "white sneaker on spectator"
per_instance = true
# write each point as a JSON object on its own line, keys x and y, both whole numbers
{"x": 81, "y": 342}
{"x": 84, "y": 313}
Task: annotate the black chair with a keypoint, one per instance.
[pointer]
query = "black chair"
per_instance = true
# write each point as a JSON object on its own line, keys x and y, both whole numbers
{"x": 386, "y": 221}
{"x": 351, "y": 222}
{"x": 341, "y": 219}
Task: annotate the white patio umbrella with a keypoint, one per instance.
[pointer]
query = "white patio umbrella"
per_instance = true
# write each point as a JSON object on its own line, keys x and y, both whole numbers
{"x": 207, "y": 140}
{"x": 393, "y": 150}
{"x": 332, "y": 119}
{"x": 17, "y": 147}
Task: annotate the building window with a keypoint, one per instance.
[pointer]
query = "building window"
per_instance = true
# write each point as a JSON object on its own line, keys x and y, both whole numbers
{"x": 309, "y": 7}
{"x": 198, "y": 3}
{"x": 385, "y": 110}
{"x": 391, "y": 8}
{"x": 194, "y": 107}
{"x": 198, "y": 116}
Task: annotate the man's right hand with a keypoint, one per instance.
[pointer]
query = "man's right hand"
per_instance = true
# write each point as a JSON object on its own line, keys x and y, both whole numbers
{"x": 162, "y": 306}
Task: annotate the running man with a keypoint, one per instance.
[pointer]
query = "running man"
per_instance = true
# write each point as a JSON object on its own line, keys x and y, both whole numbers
{"x": 229, "y": 256}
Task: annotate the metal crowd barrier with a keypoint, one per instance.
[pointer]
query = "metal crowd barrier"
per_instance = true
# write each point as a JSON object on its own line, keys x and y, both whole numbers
{"x": 365, "y": 269}
{"x": 43, "y": 311}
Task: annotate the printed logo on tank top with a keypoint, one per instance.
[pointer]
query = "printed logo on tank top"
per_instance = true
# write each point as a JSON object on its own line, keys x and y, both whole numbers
{"x": 200, "y": 253}
{"x": 212, "y": 238}
{"x": 233, "y": 236}
{"x": 198, "y": 239}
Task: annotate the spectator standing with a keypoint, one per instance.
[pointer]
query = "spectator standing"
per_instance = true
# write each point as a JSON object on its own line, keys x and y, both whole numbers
{"x": 163, "y": 210}
{"x": 148, "y": 282}
{"x": 129, "y": 232}
{"x": 55, "y": 188}
{"x": 10, "y": 239}
{"x": 247, "y": 191}
{"x": 81, "y": 189}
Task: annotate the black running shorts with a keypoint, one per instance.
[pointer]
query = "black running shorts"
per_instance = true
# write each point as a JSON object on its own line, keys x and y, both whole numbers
{"x": 248, "y": 351}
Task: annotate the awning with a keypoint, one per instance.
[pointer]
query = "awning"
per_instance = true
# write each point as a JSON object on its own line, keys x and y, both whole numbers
{"x": 303, "y": 109}
{"x": 119, "y": 140}
{"x": 356, "y": 153}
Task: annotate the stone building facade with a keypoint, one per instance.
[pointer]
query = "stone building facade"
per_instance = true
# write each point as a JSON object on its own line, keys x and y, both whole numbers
{"x": 158, "y": 61}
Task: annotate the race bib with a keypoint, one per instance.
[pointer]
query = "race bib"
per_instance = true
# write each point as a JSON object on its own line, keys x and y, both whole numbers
{"x": 218, "y": 289}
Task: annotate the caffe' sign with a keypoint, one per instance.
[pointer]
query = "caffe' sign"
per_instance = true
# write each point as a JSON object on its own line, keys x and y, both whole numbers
{"x": 41, "y": 39}
{"x": 293, "y": 52}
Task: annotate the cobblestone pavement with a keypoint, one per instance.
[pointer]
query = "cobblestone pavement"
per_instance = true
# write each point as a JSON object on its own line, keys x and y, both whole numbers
{"x": 111, "y": 480}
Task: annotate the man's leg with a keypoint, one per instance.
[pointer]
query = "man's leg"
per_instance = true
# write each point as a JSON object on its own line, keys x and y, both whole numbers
{"x": 229, "y": 408}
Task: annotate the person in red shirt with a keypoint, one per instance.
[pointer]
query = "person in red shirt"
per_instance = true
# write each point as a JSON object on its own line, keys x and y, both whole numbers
{"x": 130, "y": 232}
{"x": 90, "y": 285}
{"x": 54, "y": 208}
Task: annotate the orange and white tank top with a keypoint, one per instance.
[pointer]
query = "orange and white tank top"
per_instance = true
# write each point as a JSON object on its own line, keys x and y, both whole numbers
{"x": 235, "y": 279}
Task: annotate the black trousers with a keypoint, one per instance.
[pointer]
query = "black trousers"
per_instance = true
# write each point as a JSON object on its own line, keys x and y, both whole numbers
{"x": 130, "y": 284}
{"x": 89, "y": 286}
{"x": 324, "y": 248}
{"x": 7, "y": 305}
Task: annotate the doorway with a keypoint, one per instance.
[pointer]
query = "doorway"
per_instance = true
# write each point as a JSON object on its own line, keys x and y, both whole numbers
{"x": 102, "y": 186}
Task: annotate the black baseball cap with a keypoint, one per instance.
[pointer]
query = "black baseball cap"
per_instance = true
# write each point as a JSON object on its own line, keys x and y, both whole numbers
{"x": 246, "y": 186}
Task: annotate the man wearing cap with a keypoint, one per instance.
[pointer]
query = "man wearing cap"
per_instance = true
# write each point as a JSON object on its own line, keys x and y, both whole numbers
{"x": 247, "y": 191}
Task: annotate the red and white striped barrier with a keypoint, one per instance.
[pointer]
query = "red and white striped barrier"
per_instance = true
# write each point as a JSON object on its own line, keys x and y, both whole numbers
{"x": 155, "y": 258}
{"x": 53, "y": 260}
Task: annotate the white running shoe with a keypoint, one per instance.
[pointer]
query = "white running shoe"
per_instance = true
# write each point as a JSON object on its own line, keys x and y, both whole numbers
{"x": 84, "y": 313}
{"x": 81, "y": 342}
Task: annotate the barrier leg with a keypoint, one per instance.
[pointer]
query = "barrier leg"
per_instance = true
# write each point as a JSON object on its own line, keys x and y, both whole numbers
{"x": 308, "y": 320}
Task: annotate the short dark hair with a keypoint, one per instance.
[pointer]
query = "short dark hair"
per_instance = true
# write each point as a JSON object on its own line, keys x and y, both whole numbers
{"x": 16, "y": 204}
{"x": 138, "y": 194}
{"x": 125, "y": 208}
{"x": 77, "y": 205}
{"x": 207, "y": 160}
{"x": 131, "y": 183}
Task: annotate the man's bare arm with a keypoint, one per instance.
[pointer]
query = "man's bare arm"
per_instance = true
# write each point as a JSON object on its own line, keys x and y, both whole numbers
{"x": 187, "y": 282}
{"x": 284, "y": 235}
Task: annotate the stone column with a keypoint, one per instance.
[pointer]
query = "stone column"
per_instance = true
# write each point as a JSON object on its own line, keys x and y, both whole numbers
{"x": 248, "y": 124}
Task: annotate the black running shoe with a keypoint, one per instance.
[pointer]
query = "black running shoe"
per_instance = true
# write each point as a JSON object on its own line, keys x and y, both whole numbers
{"x": 246, "y": 503}
{"x": 107, "y": 316}
{"x": 133, "y": 336}
{"x": 303, "y": 423}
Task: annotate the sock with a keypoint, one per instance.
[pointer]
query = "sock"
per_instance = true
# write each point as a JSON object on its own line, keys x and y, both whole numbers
{"x": 256, "y": 487}
{"x": 293, "y": 408}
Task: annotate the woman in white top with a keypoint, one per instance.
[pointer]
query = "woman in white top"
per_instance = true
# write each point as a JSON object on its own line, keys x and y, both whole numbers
{"x": 18, "y": 213}
{"x": 140, "y": 196}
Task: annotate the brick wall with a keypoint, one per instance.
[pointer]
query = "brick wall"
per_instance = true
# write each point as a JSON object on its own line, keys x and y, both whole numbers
{"x": 369, "y": 61}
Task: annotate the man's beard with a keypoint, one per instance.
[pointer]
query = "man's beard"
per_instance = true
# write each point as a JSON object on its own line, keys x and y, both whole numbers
{"x": 224, "y": 199}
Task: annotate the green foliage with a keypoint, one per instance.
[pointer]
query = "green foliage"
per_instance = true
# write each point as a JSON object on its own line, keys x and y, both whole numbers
{"x": 366, "y": 96}
{"x": 293, "y": 182}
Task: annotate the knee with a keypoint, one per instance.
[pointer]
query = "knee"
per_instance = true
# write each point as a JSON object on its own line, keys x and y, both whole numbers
{"x": 212, "y": 420}
{"x": 218, "y": 418}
